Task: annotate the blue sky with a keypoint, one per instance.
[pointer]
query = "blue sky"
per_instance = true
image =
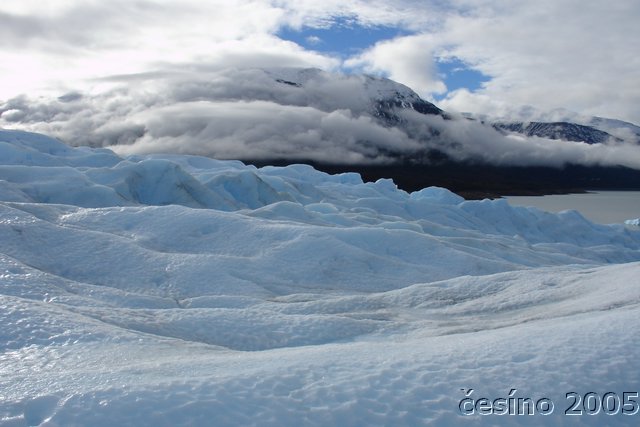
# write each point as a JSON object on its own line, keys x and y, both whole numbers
{"x": 342, "y": 38}
{"x": 457, "y": 75}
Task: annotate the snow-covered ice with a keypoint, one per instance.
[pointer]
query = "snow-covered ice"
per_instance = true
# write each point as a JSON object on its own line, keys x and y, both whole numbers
{"x": 178, "y": 290}
{"x": 635, "y": 222}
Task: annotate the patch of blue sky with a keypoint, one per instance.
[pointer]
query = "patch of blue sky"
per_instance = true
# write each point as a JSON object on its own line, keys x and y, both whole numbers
{"x": 458, "y": 75}
{"x": 343, "y": 38}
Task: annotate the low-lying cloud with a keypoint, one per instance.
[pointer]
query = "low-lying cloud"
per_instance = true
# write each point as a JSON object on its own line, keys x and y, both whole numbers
{"x": 288, "y": 114}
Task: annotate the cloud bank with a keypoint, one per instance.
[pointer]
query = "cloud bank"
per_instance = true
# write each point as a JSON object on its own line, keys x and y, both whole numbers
{"x": 282, "y": 113}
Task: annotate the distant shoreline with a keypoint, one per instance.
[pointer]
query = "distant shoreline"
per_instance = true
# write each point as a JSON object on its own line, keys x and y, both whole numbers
{"x": 601, "y": 206}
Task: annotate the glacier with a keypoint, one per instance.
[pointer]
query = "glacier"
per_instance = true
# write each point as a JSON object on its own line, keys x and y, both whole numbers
{"x": 182, "y": 290}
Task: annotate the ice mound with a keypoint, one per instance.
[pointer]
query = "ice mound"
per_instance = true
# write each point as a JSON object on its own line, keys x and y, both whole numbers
{"x": 177, "y": 290}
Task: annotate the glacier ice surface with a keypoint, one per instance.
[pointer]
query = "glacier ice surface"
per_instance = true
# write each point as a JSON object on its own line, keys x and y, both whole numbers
{"x": 177, "y": 290}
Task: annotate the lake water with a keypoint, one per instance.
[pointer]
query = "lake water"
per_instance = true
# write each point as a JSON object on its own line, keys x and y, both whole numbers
{"x": 604, "y": 207}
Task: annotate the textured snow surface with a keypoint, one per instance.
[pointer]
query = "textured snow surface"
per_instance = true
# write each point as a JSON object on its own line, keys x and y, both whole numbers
{"x": 175, "y": 290}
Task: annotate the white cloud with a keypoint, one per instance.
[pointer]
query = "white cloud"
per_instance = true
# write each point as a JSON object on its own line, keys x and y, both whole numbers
{"x": 80, "y": 40}
{"x": 47, "y": 47}
{"x": 549, "y": 54}
{"x": 408, "y": 60}
{"x": 314, "y": 40}
{"x": 411, "y": 15}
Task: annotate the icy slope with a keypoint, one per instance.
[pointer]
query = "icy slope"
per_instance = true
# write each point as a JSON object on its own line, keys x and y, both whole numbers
{"x": 175, "y": 290}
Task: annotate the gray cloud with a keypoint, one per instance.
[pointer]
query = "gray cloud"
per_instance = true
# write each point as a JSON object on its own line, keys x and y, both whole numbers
{"x": 265, "y": 130}
{"x": 77, "y": 26}
{"x": 18, "y": 29}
